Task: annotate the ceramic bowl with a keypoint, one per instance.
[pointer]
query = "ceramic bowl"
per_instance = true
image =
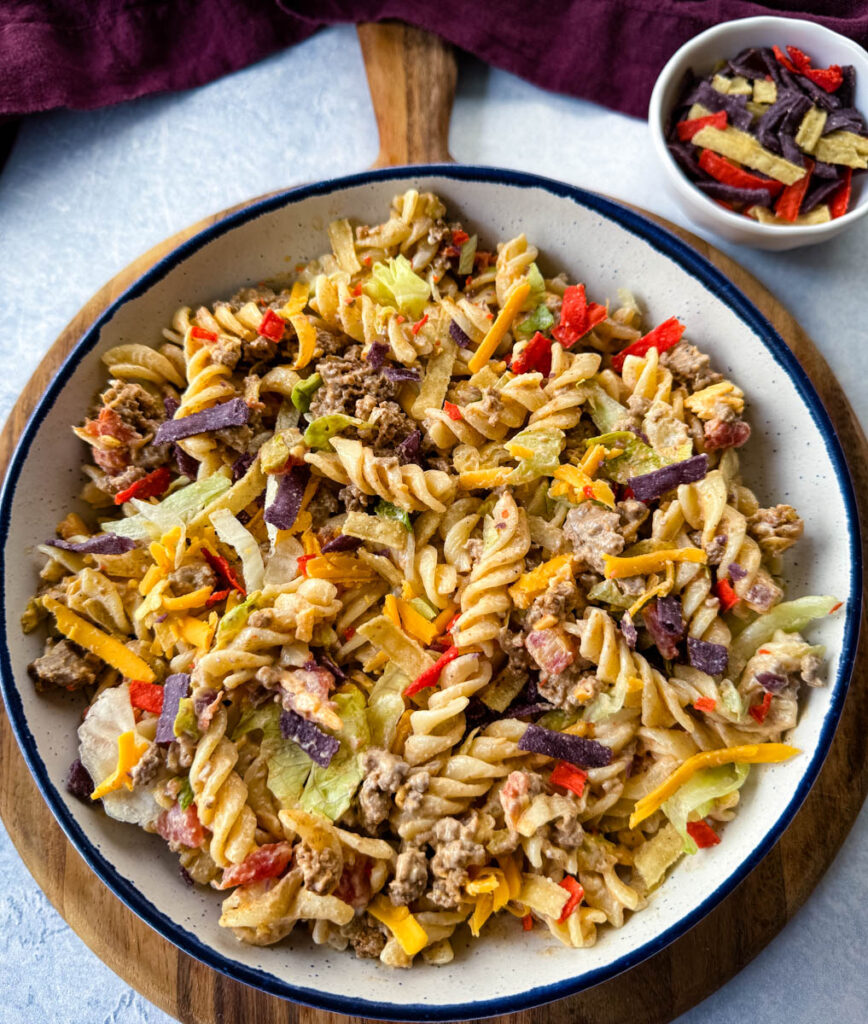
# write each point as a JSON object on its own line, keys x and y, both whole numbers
{"x": 701, "y": 54}
{"x": 794, "y": 457}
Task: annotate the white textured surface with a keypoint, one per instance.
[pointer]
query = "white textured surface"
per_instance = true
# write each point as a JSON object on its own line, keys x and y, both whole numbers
{"x": 85, "y": 193}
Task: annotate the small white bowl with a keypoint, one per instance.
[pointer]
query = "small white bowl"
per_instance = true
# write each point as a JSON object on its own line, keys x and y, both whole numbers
{"x": 723, "y": 42}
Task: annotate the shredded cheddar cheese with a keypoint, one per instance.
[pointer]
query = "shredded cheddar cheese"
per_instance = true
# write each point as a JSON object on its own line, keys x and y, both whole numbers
{"x": 129, "y": 754}
{"x": 415, "y": 624}
{"x": 752, "y": 753}
{"x": 498, "y": 329}
{"x": 195, "y": 599}
{"x": 574, "y": 484}
{"x": 411, "y": 936}
{"x": 113, "y": 652}
{"x": 617, "y": 568}
{"x": 474, "y": 478}
{"x": 538, "y": 580}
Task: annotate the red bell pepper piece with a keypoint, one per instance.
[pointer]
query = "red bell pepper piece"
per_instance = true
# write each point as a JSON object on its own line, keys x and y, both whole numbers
{"x": 203, "y": 334}
{"x": 459, "y": 237}
{"x": 801, "y": 60}
{"x": 223, "y": 569}
{"x": 430, "y": 676}
{"x": 452, "y": 411}
{"x": 302, "y": 561}
{"x": 687, "y": 129}
{"x": 730, "y": 174}
{"x": 147, "y": 696}
{"x": 727, "y": 596}
{"x": 705, "y": 704}
{"x": 569, "y": 776}
{"x": 527, "y": 922}
{"x": 577, "y": 894}
{"x": 271, "y": 326}
{"x": 790, "y": 201}
{"x": 150, "y": 486}
{"x": 702, "y": 834}
{"x": 785, "y": 60}
{"x": 840, "y": 200}
{"x": 578, "y": 316}
{"x": 217, "y": 596}
{"x": 535, "y": 356}
{"x": 829, "y": 78}
{"x": 663, "y": 336}
{"x": 758, "y": 712}
{"x": 419, "y": 324}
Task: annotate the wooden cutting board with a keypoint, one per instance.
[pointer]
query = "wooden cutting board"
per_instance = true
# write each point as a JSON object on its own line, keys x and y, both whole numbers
{"x": 412, "y": 78}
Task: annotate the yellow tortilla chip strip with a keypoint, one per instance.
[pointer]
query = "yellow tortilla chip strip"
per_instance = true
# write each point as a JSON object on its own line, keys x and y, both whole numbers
{"x": 811, "y": 129}
{"x": 845, "y": 148}
{"x": 764, "y": 92}
{"x": 819, "y": 215}
{"x": 738, "y": 145}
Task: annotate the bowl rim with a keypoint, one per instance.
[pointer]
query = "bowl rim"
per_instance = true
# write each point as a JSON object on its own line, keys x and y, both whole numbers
{"x": 692, "y": 263}
{"x": 688, "y": 190}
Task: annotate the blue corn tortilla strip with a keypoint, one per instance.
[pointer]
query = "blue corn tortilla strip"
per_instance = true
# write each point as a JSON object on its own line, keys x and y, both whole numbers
{"x": 847, "y": 119}
{"x": 651, "y": 485}
{"x": 284, "y": 509}
{"x": 818, "y": 195}
{"x": 824, "y": 170}
{"x": 684, "y": 154}
{"x": 629, "y": 631}
{"x": 103, "y": 544}
{"x": 713, "y": 659}
{"x": 735, "y": 106}
{"x": 733, "y": 194}
{"x": 377, "y": 354}
{"x": 318, "y": 745}
{"x": 234, "y": 413}
{"x": 458, "y": 336}
{"x": 565, "y": 747}
{"x": 409, "y": 450}
{"x": 176, "y": 687}
{"x": 772, "y": 681}
{"x": 399, "y": 373}
{"x": 749, "y": 64}
{"x": 79, "y": 783}
{"x": 341, "y": 543}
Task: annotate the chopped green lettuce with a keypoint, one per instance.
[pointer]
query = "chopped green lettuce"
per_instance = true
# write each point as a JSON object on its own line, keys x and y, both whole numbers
{"x": 468, "y": 255}
{"x": 185, "y": 719}
{"x": 638, "y": 458}
{"x": 233, "y": 622}
{"x": 386, "y": 705}
{"x": 791, "y": 616}
{"x": 546, "y": 445}
{"x": 607, "y": 592}
{"x": 605, "y": 705}
{"x": 604, "y": 410}
{"x": 386, "y": 510}
{"x": 288, "y": 765}
{"x": 329, "y": 791}
{"x": 321, "y": 430}
{"x": 303, "y": 392}
{"x": 185, "y": 794}
{"x": 698, "y": 795}
{"x": 537, "y": 284}
{"x": 152, "y": 521}
{"x": 394, "y": 283}
{"x": 540, "y": 319}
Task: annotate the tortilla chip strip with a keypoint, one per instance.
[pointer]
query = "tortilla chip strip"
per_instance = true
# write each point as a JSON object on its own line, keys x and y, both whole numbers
{"x": 811, "y": 129}
{"x": 738, "y": 145}
{"x": 819, "y": 215}
{"x": 376, "y": 530}
{"x": 842, "y": 148}
{"x": 394, "y": 642}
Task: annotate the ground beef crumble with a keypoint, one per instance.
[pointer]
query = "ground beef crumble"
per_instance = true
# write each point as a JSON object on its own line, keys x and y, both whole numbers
{"x": 65, "y": 665}
{"x": 384, "y": 775}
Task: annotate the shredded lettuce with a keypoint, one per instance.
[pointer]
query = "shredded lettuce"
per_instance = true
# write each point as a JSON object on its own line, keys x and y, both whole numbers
{"x": 185, "y": 794}
{"x": 424, "y": 608}
{"x": 152, "y": 521}
{"x": 185, "y": 719}
{"x": 303, "y": 392}
{"x": 394, "y": 283}
{"x": 546, "y": 445}
{"x": 288, "y": 765}
{"x": 386, "y": 510}
{"x": 605, "y": 705}
{"x": 386, "y": 705}
{"x": 237, "y": 536}
{"x": 329, "y": 791}
{"x": 273, "y": 455}
{"x": 607, "y": 592}
{"x": 791, "y": 616}
{"x": 537, "y": 292}
{"x": 540, "y": 319}
{"x": 638, "y": 458}
{"x": 468, "y": 255}
{"x": 321, "y": 430}
{"x": 730, "y": 698}
{"x": 698, "y": 795}
{"x": 558, "y": 720}
{"x": 604, "y": 410}
{"x": 233, "y": 622}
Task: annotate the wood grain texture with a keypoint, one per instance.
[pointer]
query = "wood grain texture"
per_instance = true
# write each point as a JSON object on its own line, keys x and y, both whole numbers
{"x": 654, "y": 992}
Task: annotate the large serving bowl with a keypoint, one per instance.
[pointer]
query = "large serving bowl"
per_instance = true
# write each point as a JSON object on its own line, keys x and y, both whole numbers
{"x": 793, "y": 457}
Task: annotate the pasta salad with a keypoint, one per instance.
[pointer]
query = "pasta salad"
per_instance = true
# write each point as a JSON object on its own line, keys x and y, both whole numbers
{"x": 418, "y": 588}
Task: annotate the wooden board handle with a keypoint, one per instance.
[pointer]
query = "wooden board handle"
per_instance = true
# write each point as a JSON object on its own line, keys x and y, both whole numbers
{"x": 411, "y": 75}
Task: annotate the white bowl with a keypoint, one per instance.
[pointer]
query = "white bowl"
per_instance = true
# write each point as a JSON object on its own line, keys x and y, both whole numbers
{"x": 793, "y": 457}
{"x": 723, "y": 42}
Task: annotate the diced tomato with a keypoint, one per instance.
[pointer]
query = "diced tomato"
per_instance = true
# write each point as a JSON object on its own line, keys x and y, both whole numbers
{"x": 202, "y": 334}
{"x": 758, "y": 712}
{"x": 705, "y": 704}
{"x": 147, "y": 696}
{"x": 452, "y": 411}
{"x": 223, "y": 569}
{"x": 569, "y": 776}
{"x": 267, "y": 861}
{"x": 271, "y": 326}
{"x": 727, "y": 596}
{"x": 459, "y": 237}
{"x": 662, "y": 337}
{"x": 536, "y": 356}
{"x": 181, "y": 826}
{"x": 702, "y": 834}
{"x": 110, "y": 424}
{"x": 354, "y": 886}
{"x": 150, "y": 486}
{"x": 577, "y": 894}
{"x": 687, "y": 129}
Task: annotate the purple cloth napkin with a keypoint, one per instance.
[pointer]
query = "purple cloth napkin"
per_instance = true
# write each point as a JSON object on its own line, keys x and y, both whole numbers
{"x": 89, "y": 53}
